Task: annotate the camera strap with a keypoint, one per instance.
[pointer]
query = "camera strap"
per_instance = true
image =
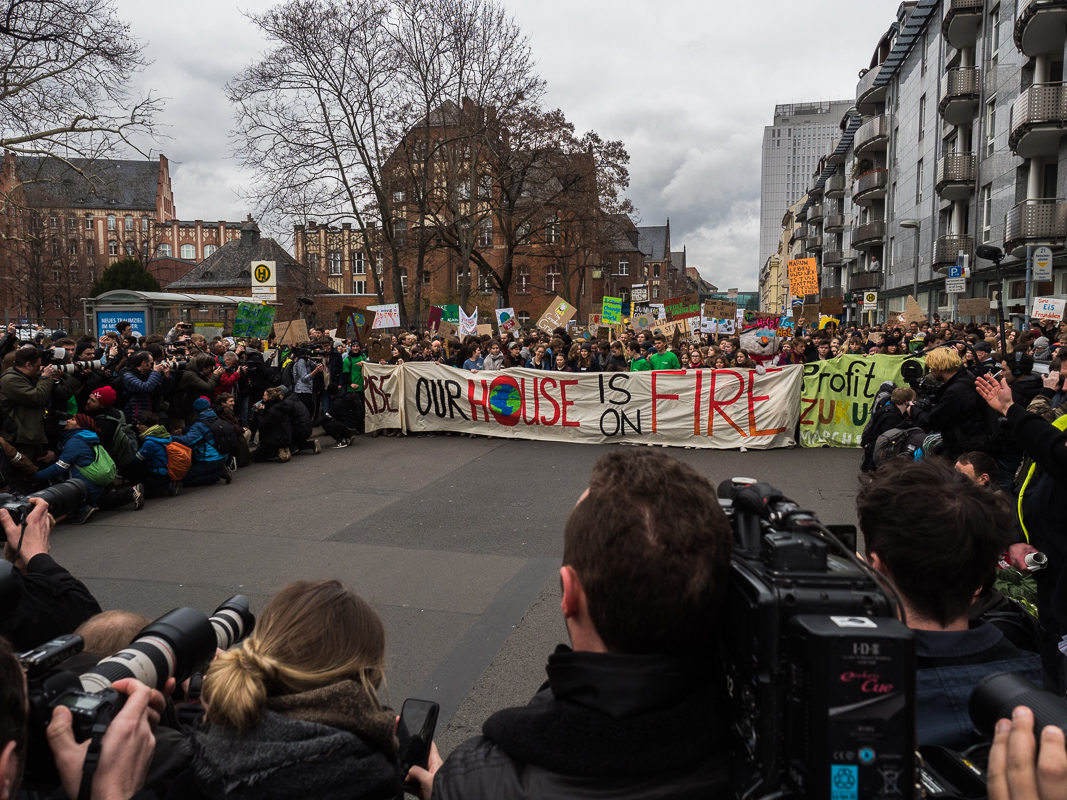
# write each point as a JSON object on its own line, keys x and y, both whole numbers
{"x": 92, "y": 755}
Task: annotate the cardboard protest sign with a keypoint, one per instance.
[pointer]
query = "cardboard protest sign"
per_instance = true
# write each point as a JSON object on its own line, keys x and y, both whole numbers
{"x": 719, "y": 309}
{"x": 557, "y": 315}
{"x": 594, "y": 320}
{"x": 468, "y": 326}
{"x": 1048, "y": 309}
{"x": 912, "y": 312}
{"x": 836, "y": 401}
{"x": 755, "y": 319}
{"x": 832, "y": 305}
{"x": 386, "y": 316}
{"x": 358, "y": 321}
{"x": 639, "y": 293}
{"x": 974, "y": 306}
{"x": 611, "y": 311}
{"x": 506, "y": 321}
{"x": 253, "y": 320}
{"x": 697, "y": 408}
{"x": 433, "y": 319}
{"x": 292, "y": 331}
{"x": 448, "y": 330}
{"x": 683, "y": 307}
{"x": 485, "y": 329}
{"x": 810, "y": 314}
{"x": 668, "y": 329}
{"x": 642, "y": 321}
{"x": 875, "y": 337}
{"x": 803, "y": 277}
{"x": 380, "y": 351}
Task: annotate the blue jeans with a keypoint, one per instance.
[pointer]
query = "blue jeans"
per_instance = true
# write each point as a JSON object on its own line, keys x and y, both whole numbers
{"x": 204, "y": 473}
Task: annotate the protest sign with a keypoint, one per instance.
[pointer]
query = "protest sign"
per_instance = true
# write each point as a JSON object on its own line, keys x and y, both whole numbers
{"x": 810, "y": 313}
{"x": 683, "y": 307}
{"x": 594, "y": 321}
{"x": 386, "y": 316}
{"x": 380, "y": 350}
{"x": 450, "y": 313}
{"x": 639, "y": 293}
{"x": 875, "y": 337}
{"x": 725, "y": 327}
{"x": 557, "y": 315}
{"x": 468, "y": 326}
{"x": 974, "y": 306}
{"x": 755, "y": 319}
{"x": 292, "y": 331}
{"x": 803, "y": 277}
{"x": 912, "y": 312}
{"x": 1048, "y": 309}
{"x": 611, "y": 312}
{"x": 506, "y": 321}
{"x": 832, "y": 305}
{"x": 485, "y": 329}
{"x": 433, "y": 319}
{"x": 357, "y": 320}
{"x": 668, "y": 329}
{"x": 253, "y": 320}
{"x": 448, "y": 330}
{"x": 697, "y": 408}
{"x": 642, "y": 321}
{"x": 719, "y": 309}
{"x": 836, "y": 401}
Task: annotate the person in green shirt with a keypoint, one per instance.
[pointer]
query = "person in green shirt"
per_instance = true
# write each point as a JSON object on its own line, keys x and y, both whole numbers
{"x": 352, "y": 380}
{"x": 663, "y": 358}
{"x": 638, "y": 362}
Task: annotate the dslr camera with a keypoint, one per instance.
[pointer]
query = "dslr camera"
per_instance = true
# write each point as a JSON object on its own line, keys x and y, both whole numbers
{"x": 176, "y": 645}
{"x": 78, "y": 366}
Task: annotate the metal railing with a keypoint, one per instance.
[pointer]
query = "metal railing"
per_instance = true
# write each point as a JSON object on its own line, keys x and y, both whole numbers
{"x": 871, "y": 130}
{"x": 876, "y": 179}
{"x": 956, "y": 167}
{"x": 1041, "y": 103}
{"x": 835, "y": 185}
{"x": 866, "y": 83}
{"x": 865, "y": 280}
{"x": 835, "y": 223}
{"x": 947, "y": 248}
{"x": 869, "y": 233}
{"x": 1043, "y": 219}
{"x": 833, "y": 258}
{"x": 960, "y": 82}
{"x": 815, "y": 212}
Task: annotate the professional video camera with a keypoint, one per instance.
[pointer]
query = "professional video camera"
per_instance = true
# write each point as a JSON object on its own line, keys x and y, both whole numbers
{"x": 78, "y": 366}
{"x": 926, "y": 386}
{"x": 820, "y": 673}
{"x": 176, "y": 645}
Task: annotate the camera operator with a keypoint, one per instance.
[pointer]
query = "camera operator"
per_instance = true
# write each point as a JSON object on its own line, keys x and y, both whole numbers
{"x": 937, "y": 536}
{"x": 635, "y": 709}
{"x": 258, "y": 378}
{"x": 304, "y": 377}
{"x": 956, "y": 413}
{"x": 140, "y": 381}
{"x": 198, "y": 379}
{"x": 25, "y": 391}
{"x": 892, "y": 415}
{"x": 180, "y": 332}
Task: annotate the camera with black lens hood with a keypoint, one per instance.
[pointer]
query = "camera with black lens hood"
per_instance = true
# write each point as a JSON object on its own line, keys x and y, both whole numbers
{"x": 176, "y": 645}
{"x": 63, "y": 498}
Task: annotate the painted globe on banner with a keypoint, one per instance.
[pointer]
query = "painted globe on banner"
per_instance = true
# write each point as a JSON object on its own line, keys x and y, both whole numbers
{"x": 505, "y": 400}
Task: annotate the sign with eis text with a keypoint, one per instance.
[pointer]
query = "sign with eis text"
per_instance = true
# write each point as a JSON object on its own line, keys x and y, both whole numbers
{"x": 803, "y": 277}
{"x": 1048, "y": 309}
{"x": 726, "y": 408}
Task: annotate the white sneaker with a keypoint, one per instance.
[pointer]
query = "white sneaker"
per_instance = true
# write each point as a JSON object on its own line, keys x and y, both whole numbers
{"x": 318, "y": 447}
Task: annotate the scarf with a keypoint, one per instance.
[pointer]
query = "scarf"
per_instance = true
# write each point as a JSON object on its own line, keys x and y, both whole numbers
{"x": 157, "y": 431}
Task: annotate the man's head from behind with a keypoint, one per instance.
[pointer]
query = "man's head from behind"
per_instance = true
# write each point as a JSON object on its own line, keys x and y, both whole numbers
{"x": 935, "y": 533}
{"x": 646, "y": 557}
{"x": 979, "y": 467}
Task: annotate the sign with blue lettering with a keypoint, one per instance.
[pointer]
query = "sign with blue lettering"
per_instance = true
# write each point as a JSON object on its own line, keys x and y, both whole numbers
{"x": 107, "y": 320}
{"x": 955, "y": 272}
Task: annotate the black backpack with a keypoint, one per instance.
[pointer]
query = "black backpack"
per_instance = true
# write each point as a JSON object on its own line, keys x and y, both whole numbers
{"x": 225, "y": 436}
{"x": 897, "y": 442}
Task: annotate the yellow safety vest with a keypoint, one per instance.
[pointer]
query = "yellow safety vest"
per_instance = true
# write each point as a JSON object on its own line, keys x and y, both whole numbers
{"x": 1061, "y": 423}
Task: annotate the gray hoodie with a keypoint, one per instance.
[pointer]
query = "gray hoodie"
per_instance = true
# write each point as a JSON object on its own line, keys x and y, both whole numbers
{"x": 493, "y": 362}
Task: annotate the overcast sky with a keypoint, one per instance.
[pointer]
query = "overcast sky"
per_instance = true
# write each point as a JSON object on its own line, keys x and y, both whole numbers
{"x": 688, "y": 85}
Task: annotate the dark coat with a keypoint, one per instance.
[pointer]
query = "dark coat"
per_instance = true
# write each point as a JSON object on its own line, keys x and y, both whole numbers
{"x": 274, "y": 427}
{"x": 299, "y": 419}
{"x": 960, "y": 415}
{"x": 23, "y": 400}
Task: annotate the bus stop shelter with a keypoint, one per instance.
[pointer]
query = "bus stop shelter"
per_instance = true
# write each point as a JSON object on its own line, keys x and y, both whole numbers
{"x": 157, "y": 312}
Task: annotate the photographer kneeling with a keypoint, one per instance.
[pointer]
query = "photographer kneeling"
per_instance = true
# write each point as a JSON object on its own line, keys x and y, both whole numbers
{"x": 938, "y": 536}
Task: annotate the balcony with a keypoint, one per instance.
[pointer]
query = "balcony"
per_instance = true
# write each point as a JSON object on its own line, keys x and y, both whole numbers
{"x": 833, "y": 157}
{"x": 1038, "y": 118}
{"x": 815, "y": 213}
{"x": 833, "y": 258}
{"x": 955, "y": 176}
{"x": 872, "y": 136}
{"x": 814, "y": 191}
{"x": 1039, "y": 26}
{"x": 835, "y": 223}
{"x": 869, "y": 236}
{"x": 814, "y": 243}
{"x": 870, "y": 186}
{"x": 1035, "y": 223}
{"x": 867, "y": 94}
{"x": 865, "y": 280}
{"x": 835, "y": 186}
{"x": 960, "y": 90}
{"x": 948, "y": 248}
{"x": 962, "y": 20}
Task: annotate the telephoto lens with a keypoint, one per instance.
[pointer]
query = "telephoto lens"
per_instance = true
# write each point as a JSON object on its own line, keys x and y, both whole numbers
{"x": 232, "y": 621}
{"x": 64, "y": 498}
{"x": 996, "y": 696}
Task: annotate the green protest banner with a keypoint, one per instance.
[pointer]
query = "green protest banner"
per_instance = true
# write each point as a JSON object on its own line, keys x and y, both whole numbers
{"x": 835, "y": 403}
{"x": 253, "y": 320}
{"x": 450, "y": 314}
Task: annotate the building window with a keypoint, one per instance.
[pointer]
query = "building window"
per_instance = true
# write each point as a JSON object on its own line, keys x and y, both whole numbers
{"x": 656, "y": 271}
{"x": 398, "y": 197}
{"x": 655, "y": 292}
{"x": 552, "y": 232}
{"x": 53, "y": 222}
{"x": 553, "y": 279}
{"x": 187, "y": 251}
{"x": 57, "y": 274}
{"x": 88, "y": 222}
{"x": 485, "y": 233}
{"x": 111, "y": 222}
{"x": 522, "y": 280}
{"x": 359, "y": 287}
{"x": 57, "y": 303}
{"x": 55, "y": 248}
{"x": 313, "y": 262}
{"x": 524, "y": 317}
{"x": 426, "y": 277}
{"x": 994, "y": 36}
{"x": 523, "y": 233}
{"x": 112, "y": 248}
{"x": 128, "y": 222}
{"x": 991, "y": 125}
{"x": 73, "y": 248}
{"x": 890, "y": 255}
{"x": 485, "y": 285}
{"x": 379, "y": 266}
{"x": 72, "y": 223}
{"x": 400, "y": 232}
{"x": 404, "y": 281}
{"x": 334, "y": 258}
{"x": 131, "y": 248}
{"x": 359, "y": 263}
{"x": 164, "y": 250}
{"x": 624, "y": 265}
{"x": 925, "y": 43}
{"x": 919, "y": 182}
{"x": 987, "y": 212}
{"x": 922, "y": 117}
{"x": 144, "y": 223}
{"x": 209, "y": 249}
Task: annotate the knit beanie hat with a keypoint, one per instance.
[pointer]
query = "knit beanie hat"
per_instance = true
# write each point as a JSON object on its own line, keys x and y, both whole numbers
{"x": 105, "y": 396}
{"x": 85, "y": 422}
{"x": 201, "y": 404}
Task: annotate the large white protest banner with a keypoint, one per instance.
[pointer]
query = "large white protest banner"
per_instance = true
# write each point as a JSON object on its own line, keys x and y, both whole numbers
{"x": 718, "y": 409}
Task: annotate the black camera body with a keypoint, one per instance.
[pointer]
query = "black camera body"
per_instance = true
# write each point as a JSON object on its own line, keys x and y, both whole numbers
{"x": 820, "y": 673}
{"x": 63, "y": 498}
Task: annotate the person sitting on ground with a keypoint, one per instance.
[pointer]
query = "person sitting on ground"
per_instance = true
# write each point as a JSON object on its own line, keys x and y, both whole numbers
{"x": 275, "y": 430}
{"x": 208, "y": 463}
{"x": 225, "y": 408}
{"x": 939, "y": 549}
{"x": 892, "y": 415}
{"x": 305, "y": 685}
{"x": 150, "y": 464}
{"x": 299, "y": 424}
{"x": 637, "y": 707}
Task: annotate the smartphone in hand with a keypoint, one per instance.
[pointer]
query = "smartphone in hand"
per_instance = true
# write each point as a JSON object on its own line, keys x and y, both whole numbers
{"x": 418, "y": 719}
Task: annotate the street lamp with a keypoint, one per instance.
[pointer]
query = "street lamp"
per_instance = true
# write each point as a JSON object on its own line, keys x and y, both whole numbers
{"x": 916, "y": 225}
{"x": 990, "y": 253}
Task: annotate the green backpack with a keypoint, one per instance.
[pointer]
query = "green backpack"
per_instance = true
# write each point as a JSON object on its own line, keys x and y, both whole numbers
{"x": 102, "y": 471}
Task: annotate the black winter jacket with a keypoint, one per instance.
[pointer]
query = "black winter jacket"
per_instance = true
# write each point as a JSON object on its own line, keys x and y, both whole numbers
{"x": 299, "y": 419}
{"x": 604, "y": 725}
{"x": 959, "y": 414}
{"x": 274, "y": 427}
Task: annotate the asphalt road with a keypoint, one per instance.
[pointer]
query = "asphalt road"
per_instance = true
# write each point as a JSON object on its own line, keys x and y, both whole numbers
{"x": 456, "y": 541}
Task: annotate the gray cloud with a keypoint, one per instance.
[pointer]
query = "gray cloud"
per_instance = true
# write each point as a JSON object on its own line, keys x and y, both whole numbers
{"x": 688, "y": 84}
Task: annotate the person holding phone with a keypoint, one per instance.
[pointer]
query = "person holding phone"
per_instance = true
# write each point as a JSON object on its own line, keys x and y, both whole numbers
{"x": 294, "y": 709}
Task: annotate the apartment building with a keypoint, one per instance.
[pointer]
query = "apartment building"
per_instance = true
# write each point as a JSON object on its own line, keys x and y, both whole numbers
{"x": 774, "y": 277}
{"x": 956, "y": 140}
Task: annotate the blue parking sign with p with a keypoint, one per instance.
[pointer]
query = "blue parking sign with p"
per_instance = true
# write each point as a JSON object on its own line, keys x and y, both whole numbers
{"x": 955, "y": 272}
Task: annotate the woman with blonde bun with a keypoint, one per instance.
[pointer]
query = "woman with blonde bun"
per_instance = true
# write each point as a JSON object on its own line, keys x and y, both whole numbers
{"x": 293, "y": 712}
